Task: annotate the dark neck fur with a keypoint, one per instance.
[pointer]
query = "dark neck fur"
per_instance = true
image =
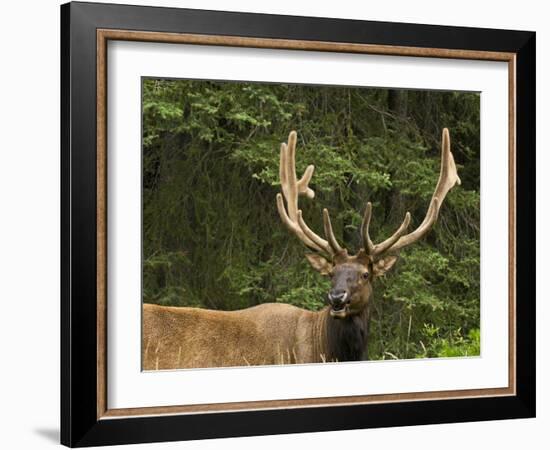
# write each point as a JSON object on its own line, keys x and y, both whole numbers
{"x": 347, "y": 338}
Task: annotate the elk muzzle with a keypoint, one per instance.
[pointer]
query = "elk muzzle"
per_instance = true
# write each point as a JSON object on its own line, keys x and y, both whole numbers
{"x": 339, "y": 300}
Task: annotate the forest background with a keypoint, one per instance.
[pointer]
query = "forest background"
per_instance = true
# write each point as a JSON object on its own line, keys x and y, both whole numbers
{"x": 212, "y": 237}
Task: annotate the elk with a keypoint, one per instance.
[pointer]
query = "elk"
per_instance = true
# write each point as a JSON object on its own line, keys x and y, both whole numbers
{"x": 277, "y": 333}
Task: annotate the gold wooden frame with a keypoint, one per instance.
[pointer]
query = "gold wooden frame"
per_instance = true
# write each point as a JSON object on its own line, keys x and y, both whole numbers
{"x": 104, "y": 35}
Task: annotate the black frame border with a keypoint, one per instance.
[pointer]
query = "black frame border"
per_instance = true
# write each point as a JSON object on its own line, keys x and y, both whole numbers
{"x": 79, "y": 423}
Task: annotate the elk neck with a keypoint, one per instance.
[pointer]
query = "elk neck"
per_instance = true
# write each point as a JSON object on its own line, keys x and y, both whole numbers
{"x": 344, "y": 339}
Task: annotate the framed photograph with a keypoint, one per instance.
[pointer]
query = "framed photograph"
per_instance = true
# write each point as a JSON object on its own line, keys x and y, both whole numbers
{"x": 277, "y": 224}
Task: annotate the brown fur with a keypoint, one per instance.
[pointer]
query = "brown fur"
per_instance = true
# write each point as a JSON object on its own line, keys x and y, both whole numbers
{"x": 271, "y": 333}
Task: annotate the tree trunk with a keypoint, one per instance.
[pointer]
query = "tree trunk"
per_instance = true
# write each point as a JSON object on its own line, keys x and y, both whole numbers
{"x": 397, "y": 102}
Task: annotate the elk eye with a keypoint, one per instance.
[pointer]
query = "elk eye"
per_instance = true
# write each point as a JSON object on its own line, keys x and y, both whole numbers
{"x": 365, "y": 275}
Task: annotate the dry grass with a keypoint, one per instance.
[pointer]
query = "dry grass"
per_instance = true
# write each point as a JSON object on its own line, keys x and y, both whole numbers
{"x": 283, "y": 357}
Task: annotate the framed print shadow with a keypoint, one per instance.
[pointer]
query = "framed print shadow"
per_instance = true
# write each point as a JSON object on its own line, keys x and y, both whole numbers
{"x": 277, "y": 224}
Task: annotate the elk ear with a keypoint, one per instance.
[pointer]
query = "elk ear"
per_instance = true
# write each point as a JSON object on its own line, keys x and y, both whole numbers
{"x": 319, "y": 263}
{"x": 381, "y": 266}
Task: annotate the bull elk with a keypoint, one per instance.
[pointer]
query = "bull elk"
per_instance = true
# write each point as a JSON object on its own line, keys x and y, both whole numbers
{"x": 277, "y": 333}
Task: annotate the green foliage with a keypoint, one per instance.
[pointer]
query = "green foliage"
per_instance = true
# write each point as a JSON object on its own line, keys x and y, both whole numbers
{"x": 453, "y": 345}
{"x": 212, "y": 234}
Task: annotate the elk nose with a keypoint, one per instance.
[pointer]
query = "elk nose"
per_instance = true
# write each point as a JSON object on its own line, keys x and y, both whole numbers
{"x": 337, "y": 296}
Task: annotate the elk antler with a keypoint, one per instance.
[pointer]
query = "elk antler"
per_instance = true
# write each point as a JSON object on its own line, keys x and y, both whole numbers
{"x": 292, "y": 216}
{"x": 448, "y": 178}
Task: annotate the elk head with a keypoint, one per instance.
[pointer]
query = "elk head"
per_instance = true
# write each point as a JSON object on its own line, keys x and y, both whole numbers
{"x": 352, "y": 275}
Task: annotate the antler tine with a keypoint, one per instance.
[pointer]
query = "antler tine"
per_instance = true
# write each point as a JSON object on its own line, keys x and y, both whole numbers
{"x": 367, "y": 243}
{"x": 384, "y": 246}
{"x": 374, "y": 250}
{"x": 321, "y": 243}
{"x": 329, "y": 233}
{"x": 292, "y": 188}
{"x": 448, "y": 178}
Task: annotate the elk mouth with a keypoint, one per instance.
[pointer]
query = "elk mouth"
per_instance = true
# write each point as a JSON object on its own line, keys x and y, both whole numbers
{"x": 340, "y": 311}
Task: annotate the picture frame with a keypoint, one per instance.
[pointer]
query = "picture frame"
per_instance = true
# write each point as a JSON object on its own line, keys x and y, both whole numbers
{"x": 86, "y": 418}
